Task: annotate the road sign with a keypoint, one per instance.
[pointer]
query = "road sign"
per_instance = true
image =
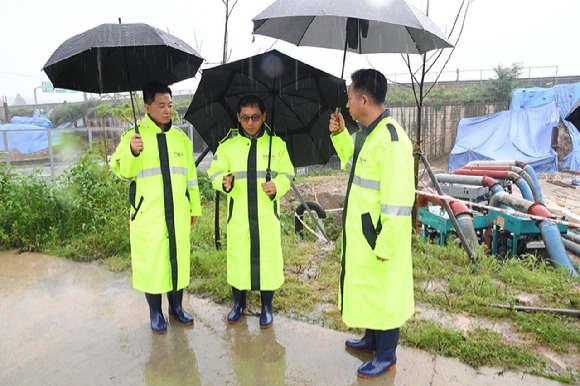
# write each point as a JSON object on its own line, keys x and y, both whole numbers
{"x": 47, "y": 87}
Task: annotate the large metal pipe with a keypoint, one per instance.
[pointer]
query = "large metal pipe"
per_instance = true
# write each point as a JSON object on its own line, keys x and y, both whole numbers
{"x": 460, "y": 210}
{"x": 501, "y": 174}
{"x": 548, "y": 230}
{"x": 525, "y": 166}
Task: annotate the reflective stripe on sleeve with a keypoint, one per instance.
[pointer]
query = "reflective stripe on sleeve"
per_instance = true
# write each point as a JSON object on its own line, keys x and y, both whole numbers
{"x": 396, "y": 210}
{"x": 192, "y": 183}
{"x": 364, "y": 183}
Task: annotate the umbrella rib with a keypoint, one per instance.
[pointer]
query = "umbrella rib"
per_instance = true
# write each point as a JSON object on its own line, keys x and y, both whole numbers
{"x": 306, "y": 29}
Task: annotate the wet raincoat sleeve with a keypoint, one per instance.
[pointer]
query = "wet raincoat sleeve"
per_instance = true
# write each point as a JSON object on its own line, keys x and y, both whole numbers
{"x": 344, "y": 146}
{"x": 397, "y": 195}
{"x": 220, "y": 166}
{"x": 123, "y": 163}
{"x": 285, "y": 173}
{"x": 192, "y": 185}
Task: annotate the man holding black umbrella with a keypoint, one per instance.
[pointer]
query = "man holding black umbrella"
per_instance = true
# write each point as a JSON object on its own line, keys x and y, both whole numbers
{"x": 164, "y": 196}
{"x": 253, "y": 167}
{"x": 376, "y": 280}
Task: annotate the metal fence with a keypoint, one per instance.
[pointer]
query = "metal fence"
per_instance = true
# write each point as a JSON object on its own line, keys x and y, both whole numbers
{"x": 59, "y": 149}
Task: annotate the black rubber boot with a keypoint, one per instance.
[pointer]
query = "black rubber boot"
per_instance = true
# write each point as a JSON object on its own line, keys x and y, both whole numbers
{"x": 239, "y": 307}
{"x": 385, "y": 358}
{"x": 176, "y": 310}
{"x": 267, "y": 317}
{"x": 367, "y": 343}
{"x": 158, "y": 324}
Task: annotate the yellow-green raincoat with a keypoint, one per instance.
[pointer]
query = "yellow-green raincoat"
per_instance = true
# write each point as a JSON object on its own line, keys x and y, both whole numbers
{"x": 164, "y": 194}
{"x": 376, "y": 294}
{"x": 254, "y": 258}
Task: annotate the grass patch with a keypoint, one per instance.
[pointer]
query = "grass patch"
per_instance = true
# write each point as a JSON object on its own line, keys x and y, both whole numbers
{"x": 83, "y": 216}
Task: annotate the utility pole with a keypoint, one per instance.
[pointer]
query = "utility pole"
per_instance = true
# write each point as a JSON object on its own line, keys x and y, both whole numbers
{"x": 35, "y": 100}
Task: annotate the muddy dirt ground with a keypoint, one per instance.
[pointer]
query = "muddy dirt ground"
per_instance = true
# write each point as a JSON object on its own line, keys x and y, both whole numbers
{"x": 561, "y": 197}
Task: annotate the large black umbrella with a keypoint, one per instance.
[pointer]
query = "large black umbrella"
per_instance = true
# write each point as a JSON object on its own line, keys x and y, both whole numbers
{"x": 121, "y": 57}
{"x": 574, "y": 114}
{"x": 299, "y": 99}
{"x": 363, "y": 27}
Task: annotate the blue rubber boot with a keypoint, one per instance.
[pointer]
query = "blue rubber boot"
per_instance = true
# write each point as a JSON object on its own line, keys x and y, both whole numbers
{"x": 239, "y": 307}
{"x": 176, "y": 310}
{"x": 266, "y": 317}
{"x": 367, "y": 343}
{"x": 158, "y": 324}
{"x": 385, "y": 358}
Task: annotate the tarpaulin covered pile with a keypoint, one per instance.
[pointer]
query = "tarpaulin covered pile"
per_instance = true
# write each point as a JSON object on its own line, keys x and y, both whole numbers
{"x": 521, "y": 134}
{"x": 563, "y": 96}
{"x": 19, "y": 135}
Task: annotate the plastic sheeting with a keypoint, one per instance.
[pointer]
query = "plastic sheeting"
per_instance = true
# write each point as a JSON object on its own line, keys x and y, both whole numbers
{"x": 521, "y": 134}
{"x": 42, "y": 122}
{"x": 563, "y": 96}
{"x": 19, "y": 137}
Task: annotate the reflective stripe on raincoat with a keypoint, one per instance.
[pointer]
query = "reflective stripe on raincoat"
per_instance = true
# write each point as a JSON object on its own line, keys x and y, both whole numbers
{"x": 377, "y": 294}
{"x": 254, "y": 257}
{"x": 165, "y": 196}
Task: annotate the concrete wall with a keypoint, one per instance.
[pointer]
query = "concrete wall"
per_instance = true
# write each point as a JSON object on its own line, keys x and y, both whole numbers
{"x": 439, "y": 124}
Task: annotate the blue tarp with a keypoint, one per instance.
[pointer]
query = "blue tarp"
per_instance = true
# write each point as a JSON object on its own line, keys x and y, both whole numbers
{"x": 522, "y": 135}
{"x": 42, "y": 122}
{"x": 563, "y": 97}
{"x": 26, "y": 141}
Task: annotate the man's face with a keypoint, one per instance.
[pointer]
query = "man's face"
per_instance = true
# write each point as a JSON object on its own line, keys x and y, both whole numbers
{"x": 251, "y": 119}
{"x": 353, "y": 103}
{"x": 160, "y": 110}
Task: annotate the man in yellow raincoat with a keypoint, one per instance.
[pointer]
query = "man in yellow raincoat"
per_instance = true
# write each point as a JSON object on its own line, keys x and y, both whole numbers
{"x": 253, "y": 167}
{"x": 376, "y": 280}
{"x": 164, "y": 196}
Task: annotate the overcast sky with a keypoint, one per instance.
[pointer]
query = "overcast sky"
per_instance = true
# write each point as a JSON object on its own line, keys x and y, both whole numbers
{"x": 536, "y": 33}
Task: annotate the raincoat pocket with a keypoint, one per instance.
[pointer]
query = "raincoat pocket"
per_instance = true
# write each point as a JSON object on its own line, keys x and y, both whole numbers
{"x": 132, "y": 196}
{"x": 369, "y": 230}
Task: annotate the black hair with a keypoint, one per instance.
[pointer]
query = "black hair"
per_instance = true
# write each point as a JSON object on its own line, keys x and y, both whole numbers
{"x": 251, "y": 100}
{"x": 372, "y": 83}
{"x": 153, "y": 88}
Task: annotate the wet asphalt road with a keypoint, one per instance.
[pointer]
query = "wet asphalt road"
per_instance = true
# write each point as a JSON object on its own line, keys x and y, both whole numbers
{"x": 68, "y": 323}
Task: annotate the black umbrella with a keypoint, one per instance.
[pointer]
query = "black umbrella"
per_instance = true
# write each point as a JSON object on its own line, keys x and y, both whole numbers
{"x": 574, "y": 114}
{"x": 299, "y": 99}
{"x": 358, "y": 26}
{"x": 121, "y": 57}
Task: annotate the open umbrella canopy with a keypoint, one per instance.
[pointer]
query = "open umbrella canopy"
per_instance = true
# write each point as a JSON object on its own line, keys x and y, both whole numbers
{"x": 364, "y": 27}
{"x": 574, "y": 114}
{"x": 299, "y": 99}
{"x": 121, "y": 57}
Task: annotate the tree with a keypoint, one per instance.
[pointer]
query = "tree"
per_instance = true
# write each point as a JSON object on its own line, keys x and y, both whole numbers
{"x": 506, "y": 80}
{"x": 19, "y": 100}
{"x": 229, "y": 11}
{"x": 420, "y": 90}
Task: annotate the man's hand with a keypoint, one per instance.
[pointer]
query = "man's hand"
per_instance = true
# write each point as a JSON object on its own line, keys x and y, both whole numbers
{"x": 336, "y": 124}
{"x": 269, "y": 188}
{"x": 136, "y": 144}
{"x": 227, "y": 182}
{"x": 193, "y": 220}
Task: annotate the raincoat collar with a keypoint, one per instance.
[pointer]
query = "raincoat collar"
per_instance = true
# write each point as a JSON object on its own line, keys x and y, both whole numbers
{"x": 151, "y": 123}
{"x": 369, "y": 129}
{"x": 258, "y": 134}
